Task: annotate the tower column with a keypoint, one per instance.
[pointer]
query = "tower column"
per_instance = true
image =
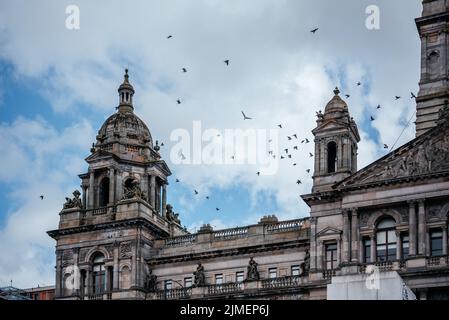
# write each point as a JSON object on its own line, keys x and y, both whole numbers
{"x": 116, "y": 266}
{"x": 91, "y": 190}
{"x": 354, "y": 235}
{"x": 111, "y": 186}
{"x": 421, "y": 228}
{"x": 412, "y": 228}
{"x": 164, "y": 199}
{"x": 346, "y": 236}
{"x": 373, "y": 248}
{"x": 153, "y": 191}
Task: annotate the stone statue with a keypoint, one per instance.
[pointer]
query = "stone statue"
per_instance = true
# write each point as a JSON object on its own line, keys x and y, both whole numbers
{"x": 75, "y": 202}
{"x": 171, "y": 216}
{"x": 150, "y": 281}
{"x": 305, "y": 266}
{"x": 252, "y": 272}
{"x": 200, "y": 278}
{"x": 133, "y": 191}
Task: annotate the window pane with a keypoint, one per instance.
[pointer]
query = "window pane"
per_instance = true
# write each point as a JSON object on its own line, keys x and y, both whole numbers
{"x": 272, "y": 273}
{"x": 295, "y": 271}
{"x": 381, "y": 237}
{"x": 239, "y": 276}
{"x": 391, "y": 236}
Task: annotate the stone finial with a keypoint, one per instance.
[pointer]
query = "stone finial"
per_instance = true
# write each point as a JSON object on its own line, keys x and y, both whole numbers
{"x": 156, "y": 147}
{"x": 336, "y": 91}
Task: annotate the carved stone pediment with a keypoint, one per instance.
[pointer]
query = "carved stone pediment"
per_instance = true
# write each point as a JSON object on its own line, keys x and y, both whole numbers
{"x": 328, "y": 231}
{"x": 422, "y": 156}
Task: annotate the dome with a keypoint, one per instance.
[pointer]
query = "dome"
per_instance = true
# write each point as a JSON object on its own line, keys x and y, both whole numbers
{"x": 336, "y": 104}
{"x": 125, "y": 128}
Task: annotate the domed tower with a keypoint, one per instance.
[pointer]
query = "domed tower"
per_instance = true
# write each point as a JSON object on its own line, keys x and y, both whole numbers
{"x": 336, "y": 138}
{"x": 104, "y": 237}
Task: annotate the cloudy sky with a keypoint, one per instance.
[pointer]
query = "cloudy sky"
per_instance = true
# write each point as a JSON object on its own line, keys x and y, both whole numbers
{"x": 57, "y": 86}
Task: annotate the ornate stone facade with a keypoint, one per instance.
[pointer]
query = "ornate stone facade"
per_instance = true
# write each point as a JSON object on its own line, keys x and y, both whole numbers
{"x": 128, "y": 243}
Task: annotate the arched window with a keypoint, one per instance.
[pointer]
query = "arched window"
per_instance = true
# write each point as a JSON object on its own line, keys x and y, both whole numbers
{"x": 386, "y": 240}
{"x": 104, "y": 192}
{"x": 99, "y": 274}
{"x": 331, "y": 157}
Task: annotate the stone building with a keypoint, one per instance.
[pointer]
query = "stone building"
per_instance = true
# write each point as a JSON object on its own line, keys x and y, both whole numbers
{"x": 121, "y": 240}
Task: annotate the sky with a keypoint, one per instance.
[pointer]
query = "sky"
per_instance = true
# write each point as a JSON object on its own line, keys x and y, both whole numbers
{"x": 59, "y": 84}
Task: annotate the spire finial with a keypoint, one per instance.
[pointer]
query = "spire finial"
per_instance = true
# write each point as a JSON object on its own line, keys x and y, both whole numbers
{"x": 126, "y": 75}
{"x": 336, "y": 91}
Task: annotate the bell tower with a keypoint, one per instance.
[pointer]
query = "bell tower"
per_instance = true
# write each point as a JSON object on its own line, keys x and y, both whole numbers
{"x": 433, "y": 28}
{"x": 104, "y": 237}
{"x": 336, "y": 138}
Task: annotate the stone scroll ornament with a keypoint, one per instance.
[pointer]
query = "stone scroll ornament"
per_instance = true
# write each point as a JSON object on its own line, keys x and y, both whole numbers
{"x": 75, "y": 202}
{"x": 200, "y": 278}
{"x": 252, "y": 272}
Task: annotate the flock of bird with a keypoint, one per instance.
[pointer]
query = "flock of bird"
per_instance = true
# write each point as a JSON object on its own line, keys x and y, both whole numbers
{"x": 285, "y": 154}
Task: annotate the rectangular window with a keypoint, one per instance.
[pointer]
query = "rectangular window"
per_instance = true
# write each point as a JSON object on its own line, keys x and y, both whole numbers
{"x": 167, "y": 284}
{"x": 219, "y": 278}
{"x": 272, "y": 273}
{"x": 367, "y": 250}
{"x": 331, "y": 256}
{"x": 187, "y": 282}
{"x": 295, "y": 271}
{"x": 436, "y": 242}
{"x": 239, "y": 276}
{"x": 405, "y": 246}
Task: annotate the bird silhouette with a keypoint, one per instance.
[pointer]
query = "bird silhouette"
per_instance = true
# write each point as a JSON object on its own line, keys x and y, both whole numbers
{"x": 184, "y": 70}
{"x": 359, "y": 83}
{"x": 217, "y": 209}
{"x": 258, "y": 173}
{"x": 294, "y": 164}
{"x": 378, "y": 106}
{"x": 385, "y": 146}
{"x": 289, "y": 138}
{"x": 286, "y": 150}
{"x": 296, "y": 137}
{"x": 307, "y": 140}
{"x": 227, "y": 62}
{"x": 42, "y": 197}
{"x": 310, "y": 154}
{"x": 372, "y": 118}
{"x": 282, "y": 157}
{"x": 298, "y": 182}
{"x": 397, "y": 97}
{"x": 181, "y": 155}
{"x": 347, "y": 95}
{"x": 177, "y": 180}
{"x": 170, "y": 36}
{"x": 245, "y": 117}
{"x": 207, "y": 197}
{"x": 178, "y": 101}
{"x": 413, "y": 95}
{"x": 314, "y": 30}
{"x": 290, "y": 156}
{"x": 196, "y": 192}
{"x": 308, "y": 170}
{"x": 295, "y": 147}
{"x": 280, "y": 126}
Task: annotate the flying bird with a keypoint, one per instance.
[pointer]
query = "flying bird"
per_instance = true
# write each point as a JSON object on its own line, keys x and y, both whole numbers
{"x": 378, "y": 106}
{"x": 207, "y": 197}
{"x": 184, "y": 70}
{"x": 397, "y": 97}
{"x": 286, "y": 150}
{"x": 177, "y": 180}
{"x": 258, "y": 173}
{"x": 307, "y": 140}
{"x": 347, "y": 95}
{"x": 227, "y": 62}
{"x": 298, "y": 182}
{"x": 245, "y": 117}
{"x": 280, "y": 126}
{"x": 282, "y": 157}
{"x": 218, "y": 209}
{"x": 310, "y": 154}
{"x": 372, "y": 118}
{"x": 178, "y": 101}
{"x": 385, "y": 146}
{"x": 413, "y": 95}
{"x": 42, "y": 197}
{"x": 359, "y": 83}
{"x": 290, "y": 156}
{"x": 289, "y": 138}
{"x": 294, "y": 164}
{"x": 296, "y": 137}
{"x": 196, "y": 192}
{"x": 180, "y": 154}
{"x": 314, "y": 30}
{"x": 170, "y": 36}
{"x": 295, "y": 147}
{"x": 308, "y": 170}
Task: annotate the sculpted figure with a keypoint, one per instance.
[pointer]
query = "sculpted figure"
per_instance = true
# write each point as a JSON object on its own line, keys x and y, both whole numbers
{"x": 252, "y": 272}
{"x": 75, "y": 202}
{"x": 200, "y": 278}
{"x": 150, "y": 281}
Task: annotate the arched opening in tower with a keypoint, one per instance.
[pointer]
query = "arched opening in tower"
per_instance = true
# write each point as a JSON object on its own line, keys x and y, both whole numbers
{"x": 331, "y": 157}
{"x": 104, "y": 192}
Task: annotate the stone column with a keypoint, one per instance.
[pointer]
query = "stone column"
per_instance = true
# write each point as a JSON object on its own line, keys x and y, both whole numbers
{"x": 153, "y": 191}
{"x": 412, "y": 228}
{"x": 354, "y": 235}
{"x": 340, "y": 157}
{"x": 118, "y": 185}
{"x": 444, "y": 229}
{"x": 320, "y": 256}
{"x": 373, "y": 248}
{"x": 59, "y": 284}
{"x": 91, "y": 190}
{"x": 421, "y": 228}
{"x": 144, "y": 185}
{"x": 346, "y": 237}
{"x": 313, "y": 243}
{"x": 84, "y": 197}
{"x": 115, "y": 285}
{"x": 398, "y": 245}
{"x": 111, "y": 186}
{"x": 164, "y": 199}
